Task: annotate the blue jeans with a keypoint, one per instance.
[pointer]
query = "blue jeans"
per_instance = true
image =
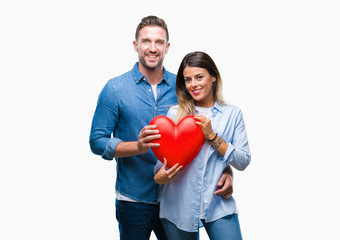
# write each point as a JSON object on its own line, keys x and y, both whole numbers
{"x": 226, "y": 228}
{"x": 136, "y": 221}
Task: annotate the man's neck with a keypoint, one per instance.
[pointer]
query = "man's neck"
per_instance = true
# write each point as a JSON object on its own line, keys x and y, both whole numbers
{"x": 154, "y": 76}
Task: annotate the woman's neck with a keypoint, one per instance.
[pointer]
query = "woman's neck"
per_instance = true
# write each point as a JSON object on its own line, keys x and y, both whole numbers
{"x": 205, "y": 104}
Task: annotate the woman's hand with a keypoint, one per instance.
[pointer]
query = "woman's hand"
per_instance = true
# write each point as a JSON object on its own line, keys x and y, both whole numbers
{"x": 205, "y": 124}
{"x": 163, "y": 176}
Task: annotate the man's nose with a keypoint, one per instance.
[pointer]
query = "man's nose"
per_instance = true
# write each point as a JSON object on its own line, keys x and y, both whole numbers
{"x": 152, "y": 47}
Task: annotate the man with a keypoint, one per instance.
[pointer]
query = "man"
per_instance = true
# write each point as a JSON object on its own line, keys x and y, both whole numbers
{"x": 125, "y": 107}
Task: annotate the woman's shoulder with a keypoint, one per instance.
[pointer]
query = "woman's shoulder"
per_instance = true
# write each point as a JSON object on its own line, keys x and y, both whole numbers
{"x": 172, "y": 111}
{"x": 173, "y": 108}
{"x": 230, "y": 111}
{"x": 228, "y": 107}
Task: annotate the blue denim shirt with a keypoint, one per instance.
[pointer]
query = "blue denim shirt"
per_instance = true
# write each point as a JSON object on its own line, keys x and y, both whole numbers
{"x": 125, "y": 105}
{"x": 181, "y": 198}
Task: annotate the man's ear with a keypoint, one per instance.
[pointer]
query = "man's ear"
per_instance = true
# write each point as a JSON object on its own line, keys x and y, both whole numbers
{"x": 167, "y": 48}
{"x": 135, "y": 46}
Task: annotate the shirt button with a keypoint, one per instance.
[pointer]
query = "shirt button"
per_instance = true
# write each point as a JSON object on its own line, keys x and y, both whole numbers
{"x": 149, "y": 90}
{"x": 155, "y": 107}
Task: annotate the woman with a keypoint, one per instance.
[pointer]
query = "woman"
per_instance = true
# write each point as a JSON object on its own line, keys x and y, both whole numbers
{"x": 184, "y": 203}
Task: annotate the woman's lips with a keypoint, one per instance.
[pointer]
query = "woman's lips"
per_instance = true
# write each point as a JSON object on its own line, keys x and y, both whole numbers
{"x": 197, "y": 91}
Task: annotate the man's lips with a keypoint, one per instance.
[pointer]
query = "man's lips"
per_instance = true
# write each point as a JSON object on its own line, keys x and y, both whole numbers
{"x": 152, "y": 55}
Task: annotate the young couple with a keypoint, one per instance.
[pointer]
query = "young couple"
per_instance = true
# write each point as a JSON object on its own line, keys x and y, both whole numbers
{"x": 197, "y": 194}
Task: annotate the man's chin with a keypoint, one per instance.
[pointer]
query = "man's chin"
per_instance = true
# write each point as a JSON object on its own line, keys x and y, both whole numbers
{"x": 152, "y": 66}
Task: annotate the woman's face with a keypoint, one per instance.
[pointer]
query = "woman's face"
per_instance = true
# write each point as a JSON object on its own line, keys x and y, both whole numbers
{"x": 199, "y": 84}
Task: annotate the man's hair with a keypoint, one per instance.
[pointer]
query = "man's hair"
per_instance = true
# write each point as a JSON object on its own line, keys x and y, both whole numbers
{"x": 152, "y": 21}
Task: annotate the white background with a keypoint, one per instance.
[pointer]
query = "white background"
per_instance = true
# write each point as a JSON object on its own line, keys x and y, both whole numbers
{"x": 279, "y": 61}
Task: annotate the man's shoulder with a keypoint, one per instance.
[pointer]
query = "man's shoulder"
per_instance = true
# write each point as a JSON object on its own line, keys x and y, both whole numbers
{"x": 171, "y": 76}
{"x": 120, "y": 80}
{"x": 121, "y": 76}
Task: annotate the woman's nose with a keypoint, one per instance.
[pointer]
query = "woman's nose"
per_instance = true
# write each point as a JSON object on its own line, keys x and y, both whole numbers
{"x": 194, "y": 82}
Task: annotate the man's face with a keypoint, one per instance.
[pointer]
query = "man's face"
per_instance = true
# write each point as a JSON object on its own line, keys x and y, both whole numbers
{"x": 151, "y": 46}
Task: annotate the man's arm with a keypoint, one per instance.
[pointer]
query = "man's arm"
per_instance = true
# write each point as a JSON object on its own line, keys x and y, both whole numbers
{"x": 147, "y": 134}
{"x": 225, "y": 184}
{"x": 104, "y": 123}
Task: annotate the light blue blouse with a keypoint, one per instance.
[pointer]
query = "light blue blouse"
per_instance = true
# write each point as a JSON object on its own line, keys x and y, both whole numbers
{"x": 180, "y": 200}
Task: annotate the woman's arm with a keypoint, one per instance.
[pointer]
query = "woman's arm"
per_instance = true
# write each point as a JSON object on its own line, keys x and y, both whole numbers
{"x": 163, "y": 175}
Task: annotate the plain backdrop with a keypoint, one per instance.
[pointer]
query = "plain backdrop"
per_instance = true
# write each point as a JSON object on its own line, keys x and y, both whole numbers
{"x": 279, "y": 62}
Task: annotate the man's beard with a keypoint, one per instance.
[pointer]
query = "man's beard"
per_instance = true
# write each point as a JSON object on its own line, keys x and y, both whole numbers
{"x": 143, "y": 62}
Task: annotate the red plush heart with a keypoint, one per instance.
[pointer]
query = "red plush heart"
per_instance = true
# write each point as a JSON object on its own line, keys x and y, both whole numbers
{"x": 178, "y": 143}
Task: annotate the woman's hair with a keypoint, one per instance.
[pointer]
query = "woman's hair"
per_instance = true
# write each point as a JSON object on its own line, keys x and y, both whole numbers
{"x": 186, "y": 104}
{"x": 152, "y": 21}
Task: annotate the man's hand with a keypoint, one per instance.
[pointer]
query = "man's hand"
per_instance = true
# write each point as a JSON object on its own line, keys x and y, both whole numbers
{"x": 147, "y": 134}
{"x": 164, "y": 176}
{"x": 225, "y": 184}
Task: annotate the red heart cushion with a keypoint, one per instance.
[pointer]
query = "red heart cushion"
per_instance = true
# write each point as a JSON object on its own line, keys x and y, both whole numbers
{"x": 178, "y": 143}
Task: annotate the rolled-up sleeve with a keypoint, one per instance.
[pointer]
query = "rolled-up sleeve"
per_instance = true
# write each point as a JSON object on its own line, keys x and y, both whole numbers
{"x": 158, "y": 166}
{"x": 238, "y": 153}
{"x": 104, "y": 123}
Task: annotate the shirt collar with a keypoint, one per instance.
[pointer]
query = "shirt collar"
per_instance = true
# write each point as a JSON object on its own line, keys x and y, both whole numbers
{"x": 138, "y": 76}
{"x": 215, "y": 109}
